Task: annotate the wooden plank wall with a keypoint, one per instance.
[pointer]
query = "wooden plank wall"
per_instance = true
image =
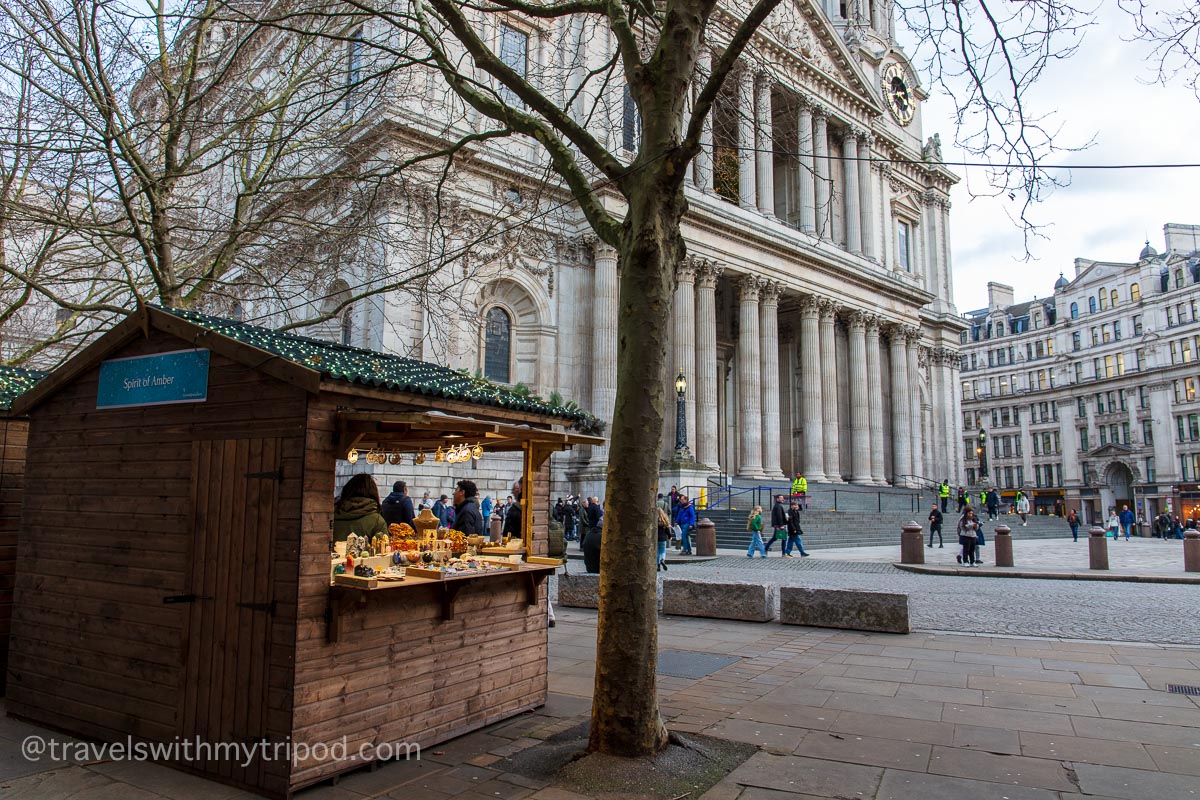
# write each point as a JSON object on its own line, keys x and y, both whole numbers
{"x": 399, "y": 672}
{"x": 106, "y": 535}
{"x": 14, "y": 434}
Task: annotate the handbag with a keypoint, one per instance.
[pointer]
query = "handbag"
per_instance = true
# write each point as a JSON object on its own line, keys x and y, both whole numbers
{"x": 677, "y": 531}
{"x": 780, "y": 534}
{"x": 979, "y": 536}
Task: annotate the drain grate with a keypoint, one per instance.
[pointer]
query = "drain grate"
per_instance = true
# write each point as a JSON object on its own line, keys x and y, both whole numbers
{"x": 690, "y": 664}
{"x": 1176, "y": 688}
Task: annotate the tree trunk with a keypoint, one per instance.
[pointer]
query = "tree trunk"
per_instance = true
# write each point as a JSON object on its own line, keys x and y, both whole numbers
{"x": 625, "y": 718}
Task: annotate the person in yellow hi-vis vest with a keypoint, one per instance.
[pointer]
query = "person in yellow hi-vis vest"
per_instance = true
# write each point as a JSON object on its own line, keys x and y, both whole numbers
{"x": 944, "y": 494}
{"x": 800, "y": 490}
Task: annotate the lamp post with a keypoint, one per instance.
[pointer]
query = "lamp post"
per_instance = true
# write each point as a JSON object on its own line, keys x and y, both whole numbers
{"x": 982, "y": 451}
{"x": 681, "y": 446}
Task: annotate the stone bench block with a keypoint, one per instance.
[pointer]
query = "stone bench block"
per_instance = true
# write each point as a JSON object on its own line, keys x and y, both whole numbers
{"x": 751, "y": 602}
{"x": 579, "y": 591}
{"x": 850, "y": 610}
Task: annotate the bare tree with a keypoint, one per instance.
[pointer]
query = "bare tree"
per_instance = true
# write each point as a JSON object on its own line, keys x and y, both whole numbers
{"x": 1174, "y": 34}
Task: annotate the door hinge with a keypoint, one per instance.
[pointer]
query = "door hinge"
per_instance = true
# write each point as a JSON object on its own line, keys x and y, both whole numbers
{"x": 185, "y": 598}
{"x": 267, "y": 607}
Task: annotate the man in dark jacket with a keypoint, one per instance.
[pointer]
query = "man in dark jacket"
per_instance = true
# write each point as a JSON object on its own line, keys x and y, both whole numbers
{"x": 593, "y": 515}
{"x": 993, "y": 504}
{"x": 397, "y": 508}
{"x": 779, "y": 522}
{"x": 935, "y": 525}
{"x": 794, "y": 532}
{"x": 467, "y": 517}
{"x": 441, "y": 509}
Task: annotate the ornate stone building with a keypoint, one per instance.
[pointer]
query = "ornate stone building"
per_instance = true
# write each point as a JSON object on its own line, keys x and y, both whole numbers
{"x": 1088, "y": 397}
{"x": 813, "y": 316}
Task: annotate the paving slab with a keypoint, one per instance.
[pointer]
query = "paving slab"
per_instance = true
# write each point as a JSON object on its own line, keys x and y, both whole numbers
{"x": 1009, "y": 719}
{"x": 1183, "y": 760}
{"x": 904, "y": 730}
{"x": 869, "y": 750}
{"x": 1086, "y": 751}
{"x": 809, "y": 775}
{"x": 1013, "y": 770}
{"x": 1136, "y": 784}
{"x": 902, "y": 785}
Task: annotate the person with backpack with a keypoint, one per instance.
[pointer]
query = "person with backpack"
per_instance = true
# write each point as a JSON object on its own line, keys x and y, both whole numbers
{"x": 1022, "y": 506}
{"x": 962, "y": 500}
{"x": 968, "y": 530}
{"x": 794, "y": 532}
{"x": 754, "y": 524}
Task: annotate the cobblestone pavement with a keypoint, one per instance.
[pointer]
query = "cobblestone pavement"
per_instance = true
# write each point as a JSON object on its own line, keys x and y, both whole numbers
{"x": 1109, "y": 611}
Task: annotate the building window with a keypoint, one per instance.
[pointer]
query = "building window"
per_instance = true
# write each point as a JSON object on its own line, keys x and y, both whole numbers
{"x": 1113, "y": 298}
{"x": 1137, "y": 324}
{"x": 1135, "y": 293}
{"x": 354, "y": 59}
{"x": 1078, "y": 372}
{"x": 514, "y": 52}
{"x": 903, "y": 244}
{"x": 1178, "y": 279}
{"x": 1105, "y": 333}
{"x": 1125, "y": 433}
{"x": 1091, "y": 305}
{"x": 1083, "y": 439}
{"x": 1103, "y": 299}
{"x": 1150, "y": 476}
{"x": 1147, "y": 432}
{"x": 348, "y": 327}
{"x": 1074, "y": 310}
{"x": 1189, "y": 389}
{"x": 1095, "y": 336}
{"x": 1116, "y": 330}
{"x": 999, "y": 329}
{"x": 631, "y": 123}
{"x": 497, "y": 346}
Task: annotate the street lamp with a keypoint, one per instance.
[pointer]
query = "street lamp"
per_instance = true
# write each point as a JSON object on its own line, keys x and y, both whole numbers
{"x": 680, "y": 415}
{"x": 982, "y": 451}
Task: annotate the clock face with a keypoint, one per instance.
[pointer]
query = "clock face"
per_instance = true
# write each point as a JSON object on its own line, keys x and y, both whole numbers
{"x": 896, "y": 94}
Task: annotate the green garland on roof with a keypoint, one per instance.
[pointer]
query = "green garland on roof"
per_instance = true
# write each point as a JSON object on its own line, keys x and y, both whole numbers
{"x": 356, "y": 365}
{"x": 14, "y": 382}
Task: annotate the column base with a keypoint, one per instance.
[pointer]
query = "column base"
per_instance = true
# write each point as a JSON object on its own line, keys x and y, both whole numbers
{"x": 756, "y": 475}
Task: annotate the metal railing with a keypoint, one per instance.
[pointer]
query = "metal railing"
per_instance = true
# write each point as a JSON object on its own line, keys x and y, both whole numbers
{"x": 819, "y": 498}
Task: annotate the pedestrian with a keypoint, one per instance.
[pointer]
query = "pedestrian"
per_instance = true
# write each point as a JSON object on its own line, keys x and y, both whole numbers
{"x": 664, "y": 503}
{"x": 1073, "y": 521}
{"x": 397, "y": 507}
{"x": 968, "y": 530}
{"x": 356, "y": 509}
{"x": 779, "y": 520}
{"x": 754, "y": 524}
{"x": 1126, "y": 518}
{"x": 993, "y": 504}
{"x": 685, "y": 518}
{"x": 664, "y": 536}
{"x": 467, "y": 518}
{"x": 800, "y": 491}
{"x": 962, "y": 500}
{"x": 441, "y": 509}
{"x": 1114, "y": 524}
{"x": 794, "y": 532}
{"x": 935, "y": 524}
{"x": 1022, "y": 506}
{"x": 944, "y": 494}
{"x": 594, "y": 516}
{"x": 426, "y": 502}
{"x": 485, "y": 508}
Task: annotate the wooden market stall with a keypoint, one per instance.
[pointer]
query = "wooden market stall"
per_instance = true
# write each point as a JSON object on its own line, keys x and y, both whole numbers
{"x": 14, "y": 430}
{"x": 175, "y": 567}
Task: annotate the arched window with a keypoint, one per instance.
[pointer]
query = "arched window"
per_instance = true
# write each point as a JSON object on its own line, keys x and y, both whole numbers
{"x": 1074, "y": 310}
{"x": 999, "y": 328}
{"x": 1103, "y": 299}
{"x": 348, "y": 326}
{"x": 1178, "y": 279}
{"x": 1135, "y": 293}
{"x": 1091, "y": 305}
{"x": 1113, "y": 298}
{"x": 497, "y": 345}
{"x": 339, "y": 314}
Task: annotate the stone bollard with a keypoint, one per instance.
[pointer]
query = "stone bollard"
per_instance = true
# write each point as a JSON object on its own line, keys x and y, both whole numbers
{"x": 1191, "y": 551}
{"x": 912, "y": 544}
{"x": 1003, "y": 542}
{"x": 1097, "y": 548}
{"x": 706, "y": 538}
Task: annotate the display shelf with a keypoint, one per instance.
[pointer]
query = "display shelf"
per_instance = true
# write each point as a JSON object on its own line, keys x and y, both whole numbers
{"x": 343, "y": 598}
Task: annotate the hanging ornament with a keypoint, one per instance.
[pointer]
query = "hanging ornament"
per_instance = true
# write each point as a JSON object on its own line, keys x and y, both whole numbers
{"x": 394, "y": 459}
{"x": 477, "y": 452}
{"x": 419, "y": 458}
{"x": 439, "y": 456}
{"x": 352, "y": 456}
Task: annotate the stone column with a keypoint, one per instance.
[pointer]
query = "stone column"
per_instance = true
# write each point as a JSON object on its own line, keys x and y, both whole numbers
{"x": 764, "y": 162}
{"x": 830, "y": 435}
{"x": 917, "y": 438}
{"x": 860, "y": 410}
{"x": 929, "y": 261}
{"x": 947, "y": 273}
{"x": 808, "y": 215}
{"x": 824, "y": 189}
{"x": 853, "y": 205}
{"x": 866, "y": 186}
{"x": 769, "y": 377}
{"x": 684, "y": 339}
{"x": 875, "y": 402}
{"x": 812, "y": 459}
{"x": 704, "y": 159}
{"x": 707, "y": 440}
{"x": 604, "y": 340}
{"x": 749, "y": 397}
{"x": 901, "y": 414}
{"x": 950, "y": 444}
{"x": 745, "y": 142}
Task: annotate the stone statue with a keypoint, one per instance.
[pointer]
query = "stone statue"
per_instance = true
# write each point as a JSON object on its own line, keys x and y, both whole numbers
{"x": 932, "y": 151}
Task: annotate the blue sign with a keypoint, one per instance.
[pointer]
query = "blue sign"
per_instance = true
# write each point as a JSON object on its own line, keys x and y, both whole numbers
{"x": 177, "y": 377}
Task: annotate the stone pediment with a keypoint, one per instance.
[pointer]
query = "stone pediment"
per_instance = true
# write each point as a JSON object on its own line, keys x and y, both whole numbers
{"x": 802, "y": 28}
{"x": 1100, "y": 271}
{"x": 1112, "y": 450}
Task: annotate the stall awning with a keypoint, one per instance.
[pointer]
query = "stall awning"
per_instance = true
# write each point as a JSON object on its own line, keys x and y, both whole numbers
{"x": 412, "y": 432}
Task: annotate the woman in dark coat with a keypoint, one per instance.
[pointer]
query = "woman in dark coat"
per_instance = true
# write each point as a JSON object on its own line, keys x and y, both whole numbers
{"x": 591, "y": 540}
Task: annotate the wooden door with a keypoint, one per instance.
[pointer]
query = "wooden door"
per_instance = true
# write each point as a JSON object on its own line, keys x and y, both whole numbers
{"x": 227, "y": 627}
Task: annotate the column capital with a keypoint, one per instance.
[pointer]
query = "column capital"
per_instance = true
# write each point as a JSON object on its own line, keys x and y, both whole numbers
{"x": 810, "y": 306}
{"x": 857, "y": 132}
{"x": 873, "y": 325}
{"x": 913, "y": 334}
{"x": 708, "y": 273}
{"x": 829, "y": 308}
{"x": 819, "y": 111}
{"x": 766, "y": 80}
{"x": 685, "y": 270}
{"x": 857, "y": 320}
{"x": 749, "y": 287}
{"x": 771, "y": 292}
{"x": 923, "y": 356}
{"x": 805, "y": 102}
